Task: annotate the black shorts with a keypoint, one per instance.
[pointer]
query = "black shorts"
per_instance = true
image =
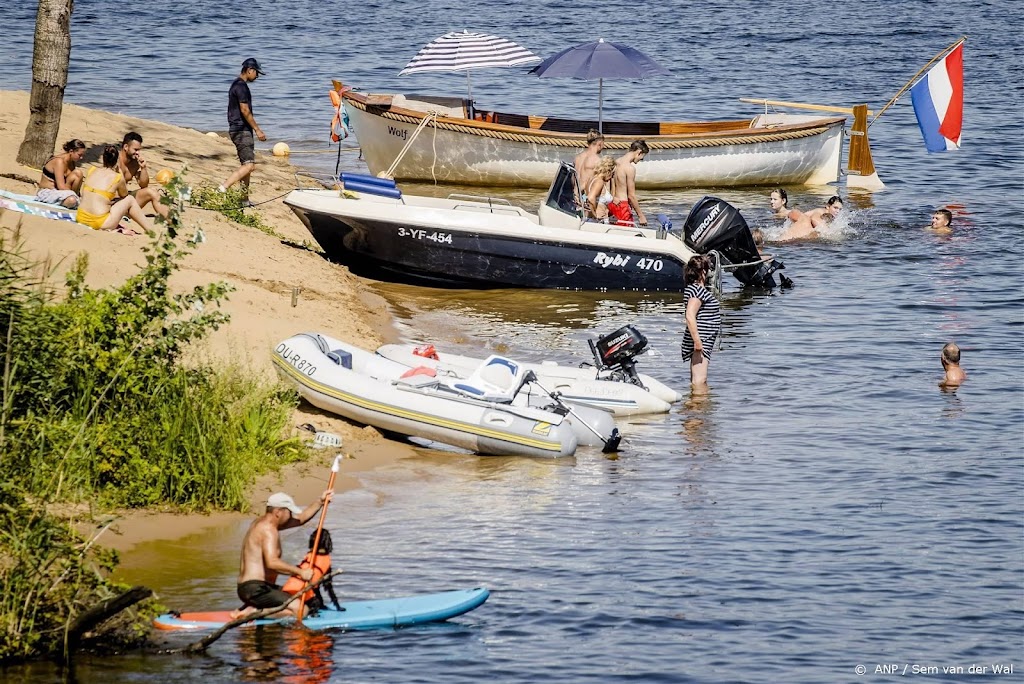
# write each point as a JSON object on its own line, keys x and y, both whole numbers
{"x": 260, "y": 594}
{"x": 245, "y": 145}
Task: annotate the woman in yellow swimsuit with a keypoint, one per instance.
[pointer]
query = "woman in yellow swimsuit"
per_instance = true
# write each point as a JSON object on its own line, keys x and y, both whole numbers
{"x": 98, "y": 208}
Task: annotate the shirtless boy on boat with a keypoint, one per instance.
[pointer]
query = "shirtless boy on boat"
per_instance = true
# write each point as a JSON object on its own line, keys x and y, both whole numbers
{"x": 261, "y": 555}
{"x": 624, "y": 201}
{"x": 805, "y": 225}
{"x": 587, "y": 160}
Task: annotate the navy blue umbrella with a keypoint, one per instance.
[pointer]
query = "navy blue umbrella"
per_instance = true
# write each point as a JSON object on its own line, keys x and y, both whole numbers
{"x": 599, "y": 60}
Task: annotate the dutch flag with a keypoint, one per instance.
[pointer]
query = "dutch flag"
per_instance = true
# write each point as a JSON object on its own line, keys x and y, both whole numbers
{"x": 939, "y": 102}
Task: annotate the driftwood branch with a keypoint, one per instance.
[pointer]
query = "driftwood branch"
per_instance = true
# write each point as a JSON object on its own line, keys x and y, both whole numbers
{"x": 100, "y": 612}
{"x": 204, "y": 643}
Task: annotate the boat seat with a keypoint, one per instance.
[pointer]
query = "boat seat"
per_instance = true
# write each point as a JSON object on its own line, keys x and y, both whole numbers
{"x": 496, "y": 379}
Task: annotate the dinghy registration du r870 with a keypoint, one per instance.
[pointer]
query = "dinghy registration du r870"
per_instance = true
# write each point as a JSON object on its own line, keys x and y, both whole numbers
{"x": 479, "y": 242}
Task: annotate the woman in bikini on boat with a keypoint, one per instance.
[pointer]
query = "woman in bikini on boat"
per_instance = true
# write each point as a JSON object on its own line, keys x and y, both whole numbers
{"x": 599, "y": 190}
{"x": 61, "y": 177}
{"x": 100, "y": 209}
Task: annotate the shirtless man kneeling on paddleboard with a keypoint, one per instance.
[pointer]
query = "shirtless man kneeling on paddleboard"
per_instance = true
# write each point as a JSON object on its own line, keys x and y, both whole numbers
{"x": 261, "y": 555}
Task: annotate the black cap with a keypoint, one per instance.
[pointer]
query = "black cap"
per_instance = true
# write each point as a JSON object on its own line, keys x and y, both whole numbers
{"x": 251, "y": 63}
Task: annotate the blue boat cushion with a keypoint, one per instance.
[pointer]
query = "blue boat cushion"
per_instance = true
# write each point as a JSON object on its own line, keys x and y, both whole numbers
{"x": 497, "y": 379}
{"x": 341, "y": 357}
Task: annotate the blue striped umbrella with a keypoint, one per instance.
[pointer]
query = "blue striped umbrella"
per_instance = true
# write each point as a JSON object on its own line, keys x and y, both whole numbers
{"x": 466, "y": 51}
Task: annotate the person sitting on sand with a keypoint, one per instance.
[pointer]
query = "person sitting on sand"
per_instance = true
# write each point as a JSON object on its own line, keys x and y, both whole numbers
{"x": 942, "y": 221}
{"x": 261, "y": 555}
{"x": 951, "y": 364}
{"x": 599, "y": 192}
{"x": 133, "y": 166}
{"x": 99, "y": 209}
{"x": 805, "y": 225}
{"x": 586, "y": 161}
{"x": 61, "y": 178}
{"x": 320, "y": 563}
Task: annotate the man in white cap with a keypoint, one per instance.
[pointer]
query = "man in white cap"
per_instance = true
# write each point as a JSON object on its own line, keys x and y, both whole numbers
{"x": 261, "y": 553}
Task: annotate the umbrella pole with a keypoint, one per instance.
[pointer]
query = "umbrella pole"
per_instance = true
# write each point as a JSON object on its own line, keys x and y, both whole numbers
{"x": 469, "y": 87}
{"x": 600, "y": 105}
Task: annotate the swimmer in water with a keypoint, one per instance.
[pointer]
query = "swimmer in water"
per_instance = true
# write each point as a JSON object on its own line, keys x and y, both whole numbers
{"x": 779, "y": 201}
{"x": 951, "y": 364}
{"x": 805, "y": 225}
{"x": 941, "y": 221}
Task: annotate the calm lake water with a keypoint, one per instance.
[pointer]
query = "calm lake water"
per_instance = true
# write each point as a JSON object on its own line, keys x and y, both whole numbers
{"x": 826, "y": 506}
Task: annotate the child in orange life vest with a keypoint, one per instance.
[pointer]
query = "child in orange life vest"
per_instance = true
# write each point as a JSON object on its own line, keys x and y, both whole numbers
{"x": 320, "y": 561}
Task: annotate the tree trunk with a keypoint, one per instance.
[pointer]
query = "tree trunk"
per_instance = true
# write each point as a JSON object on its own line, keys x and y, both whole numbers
{"x": 50, "y": 56}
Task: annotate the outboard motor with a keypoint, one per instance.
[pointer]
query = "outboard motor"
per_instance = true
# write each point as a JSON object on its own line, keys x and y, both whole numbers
{"x": 714, "y": 224}
{"x": 615, "y": 352}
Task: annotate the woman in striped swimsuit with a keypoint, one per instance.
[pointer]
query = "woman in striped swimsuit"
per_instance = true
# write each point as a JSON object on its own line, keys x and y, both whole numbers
{"x": 703, "y": 319}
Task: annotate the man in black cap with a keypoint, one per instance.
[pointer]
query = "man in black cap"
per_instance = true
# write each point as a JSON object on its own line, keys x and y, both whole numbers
{"x": 242, "y": 125}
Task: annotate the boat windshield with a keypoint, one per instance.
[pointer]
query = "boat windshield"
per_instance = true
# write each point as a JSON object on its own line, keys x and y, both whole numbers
{"x": 565, "y": 193}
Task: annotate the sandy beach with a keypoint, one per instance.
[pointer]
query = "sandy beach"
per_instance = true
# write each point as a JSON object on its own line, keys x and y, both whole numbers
{"x": 263, "y": 269}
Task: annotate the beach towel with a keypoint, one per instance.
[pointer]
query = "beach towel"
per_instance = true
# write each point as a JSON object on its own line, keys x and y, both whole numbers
{"x": 27, "y": 204}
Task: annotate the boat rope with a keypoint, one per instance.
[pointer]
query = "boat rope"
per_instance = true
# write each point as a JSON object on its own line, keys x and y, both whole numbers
{"x": 655, "y": 143}
{"x": 408, "y": 143}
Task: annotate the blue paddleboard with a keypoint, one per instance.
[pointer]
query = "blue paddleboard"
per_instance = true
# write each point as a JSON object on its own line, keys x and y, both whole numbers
{"x": 376, "y": 614}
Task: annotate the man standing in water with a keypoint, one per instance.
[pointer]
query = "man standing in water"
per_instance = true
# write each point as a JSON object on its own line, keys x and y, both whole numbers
{"x": 242, "y": 125}
{"x": 261, "y": 554}
{"x": 624, "y": 201}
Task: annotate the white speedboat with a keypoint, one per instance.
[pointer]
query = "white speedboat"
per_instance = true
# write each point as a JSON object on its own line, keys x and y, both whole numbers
{"x": 463, "y": 241}
{"x": 611, "y": 384}
{"x": 484, "y": 413}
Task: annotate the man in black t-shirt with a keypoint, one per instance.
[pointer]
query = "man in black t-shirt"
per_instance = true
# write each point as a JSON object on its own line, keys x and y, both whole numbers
{"x": 242, "y": 125}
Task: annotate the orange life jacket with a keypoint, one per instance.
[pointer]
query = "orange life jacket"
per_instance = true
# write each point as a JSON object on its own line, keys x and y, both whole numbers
{"x": 321, "y": 566}
{"x": 338, "y": 130}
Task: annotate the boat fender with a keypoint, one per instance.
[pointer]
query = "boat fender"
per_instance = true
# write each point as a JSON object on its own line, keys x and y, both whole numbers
{"x": 419, "y": 370}
{"x": 366, "y": 188}
{"x": 427, "y": 351}
{"x": 368, "y": 180}
{"x": 341, "y": 357}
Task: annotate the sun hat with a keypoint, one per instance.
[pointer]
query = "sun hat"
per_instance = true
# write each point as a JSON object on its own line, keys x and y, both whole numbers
{"x": 282, "y": 500}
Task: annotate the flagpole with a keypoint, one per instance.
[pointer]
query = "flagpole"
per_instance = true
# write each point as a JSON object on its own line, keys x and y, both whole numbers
{"x": 910, "y": 83}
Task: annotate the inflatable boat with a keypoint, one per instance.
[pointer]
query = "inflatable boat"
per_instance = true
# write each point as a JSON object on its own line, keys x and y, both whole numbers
{"x": 612, "y": 383}
{"x": 484, "y": 412}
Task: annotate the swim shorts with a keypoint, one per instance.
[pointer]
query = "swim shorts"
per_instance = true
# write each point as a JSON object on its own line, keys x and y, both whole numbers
{"x": 260, "y": 594}
{"x": 621, "y": 212}
{"x": 245, "y": 145}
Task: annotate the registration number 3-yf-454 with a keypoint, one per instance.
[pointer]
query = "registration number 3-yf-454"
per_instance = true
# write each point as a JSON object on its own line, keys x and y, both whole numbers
{"x": 421, "y": 234}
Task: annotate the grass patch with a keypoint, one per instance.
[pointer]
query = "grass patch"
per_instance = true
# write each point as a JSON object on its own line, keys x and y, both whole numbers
{"x": 231, "y": 204}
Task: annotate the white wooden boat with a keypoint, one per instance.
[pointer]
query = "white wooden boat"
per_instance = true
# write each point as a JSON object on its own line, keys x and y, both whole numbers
{"x": 465, "y": 146}
{"x": 483, "y": 414}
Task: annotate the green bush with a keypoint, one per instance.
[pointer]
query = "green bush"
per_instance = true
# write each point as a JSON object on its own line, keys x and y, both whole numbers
{"x": 96, "y": 407}
{"x": 231, "y": 203}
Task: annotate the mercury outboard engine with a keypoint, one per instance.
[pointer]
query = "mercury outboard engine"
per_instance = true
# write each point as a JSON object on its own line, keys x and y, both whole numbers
{"x": 714, "y": 224}
{"x": 615, "y": 352}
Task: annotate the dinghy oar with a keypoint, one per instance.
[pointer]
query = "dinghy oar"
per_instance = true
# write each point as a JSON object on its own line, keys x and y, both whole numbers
{"x": 611, "y": 445}
{"x": 320, "y": 527}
